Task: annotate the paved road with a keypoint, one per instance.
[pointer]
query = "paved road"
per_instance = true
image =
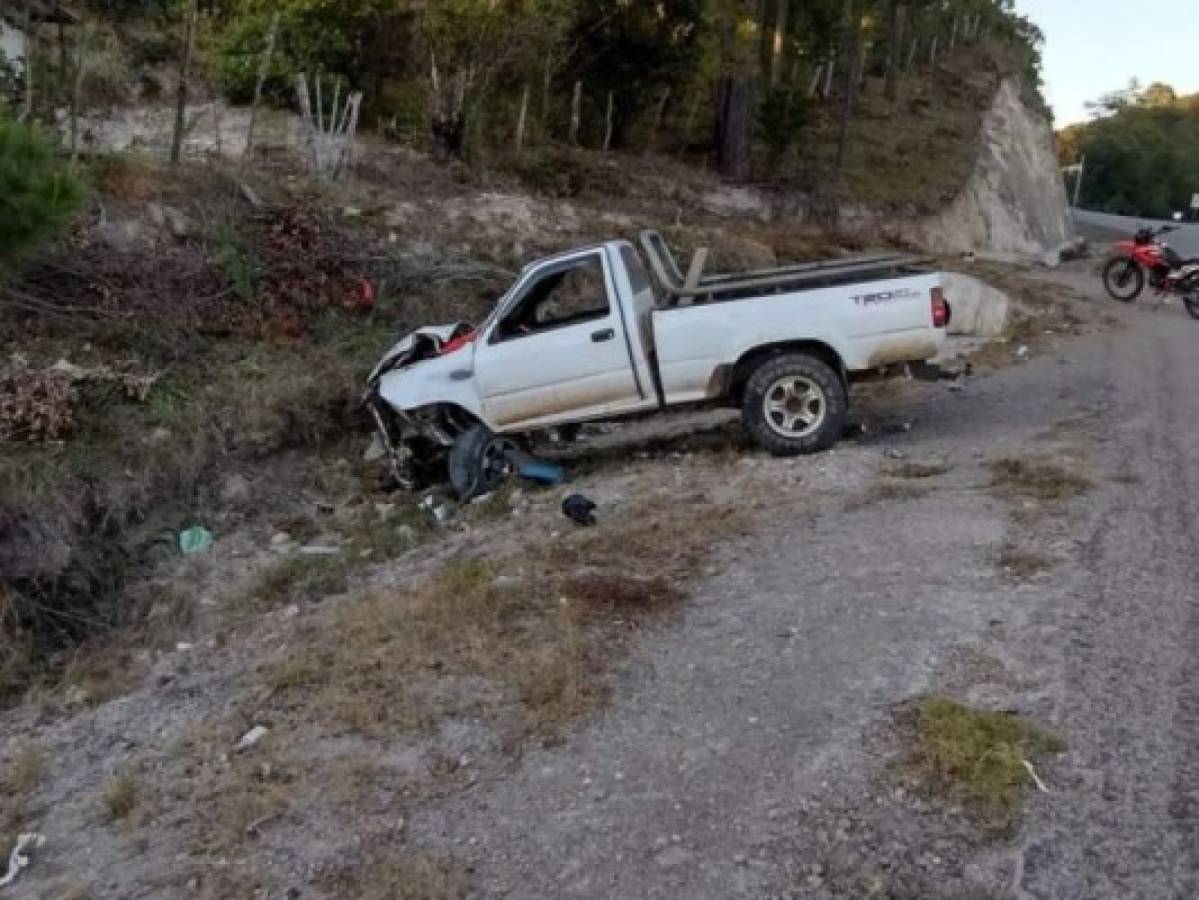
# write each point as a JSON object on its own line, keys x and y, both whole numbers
{"x": 752, "y": 754}
{"x": 1103, "y": 227}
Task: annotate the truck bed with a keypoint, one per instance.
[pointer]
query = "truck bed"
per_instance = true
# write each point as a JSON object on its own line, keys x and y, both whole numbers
{"x": 700, "y": 288}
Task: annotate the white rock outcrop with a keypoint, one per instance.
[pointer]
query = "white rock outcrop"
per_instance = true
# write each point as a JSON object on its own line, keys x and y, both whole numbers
{"x": 1015, "y": 202}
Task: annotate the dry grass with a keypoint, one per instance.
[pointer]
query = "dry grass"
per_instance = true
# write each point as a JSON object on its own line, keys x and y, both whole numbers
{"x": 129, "y": 178}
{"x": 121, "y": 796}
{"x": 404, "y": 876}
{"x": 918, "y": 470}
{"x": 24, "y": 773}
{"x": 19, "y": 780}
{"x": 976, "y": 755}
{"x": 68, "y": 887}
{"x": 528, "y": 651}
{"x": 1036, "y": 479}
{"x": 293, "y": 579}
{"x": 886, "y": 491}
{"x": 407, "y": 658}
{"x": 101, "y": 670}
{"x": 1019, "y": 562}
{"x": 246, "y": 797}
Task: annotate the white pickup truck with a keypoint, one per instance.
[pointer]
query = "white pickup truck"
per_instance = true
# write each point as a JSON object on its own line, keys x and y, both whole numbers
{"x": 586, "y": 335}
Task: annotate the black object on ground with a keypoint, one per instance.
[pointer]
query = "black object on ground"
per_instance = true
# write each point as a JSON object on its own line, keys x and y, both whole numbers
{"x": 579, "y": 509}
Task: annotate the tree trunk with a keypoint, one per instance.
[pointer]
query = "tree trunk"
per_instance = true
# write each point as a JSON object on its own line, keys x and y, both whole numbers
{"x": 522, "y": 119}
{"x": 659, "y": 114}
{"x": 737, "y": 103}
{"x": 189, "y": 40}
{"x": 735, "y": 126}
{"x": 546, "y": 81}
{"x": 814, "y": 85}
{"x": 778, "y": 42}
{"x": 264, "y": 67}
{"x": 894, "y": 50}
{"x": 853, "y": 27}
{"x": 576, "y": 113}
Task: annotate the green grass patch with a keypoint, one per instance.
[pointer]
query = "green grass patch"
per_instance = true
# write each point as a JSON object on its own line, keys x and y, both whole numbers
{"x": 302, "y": 578}
{"x": 978, "y": 755}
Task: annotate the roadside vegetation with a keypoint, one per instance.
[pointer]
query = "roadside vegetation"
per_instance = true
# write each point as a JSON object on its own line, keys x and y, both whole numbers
{"x": 977, "y": 756}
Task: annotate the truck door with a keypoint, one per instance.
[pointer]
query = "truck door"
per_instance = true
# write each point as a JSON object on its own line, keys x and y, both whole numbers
{"x": 559, "y": 350}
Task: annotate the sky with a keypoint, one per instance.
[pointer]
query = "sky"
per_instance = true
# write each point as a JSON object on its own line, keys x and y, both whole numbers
{"x": 1095, "y": 46}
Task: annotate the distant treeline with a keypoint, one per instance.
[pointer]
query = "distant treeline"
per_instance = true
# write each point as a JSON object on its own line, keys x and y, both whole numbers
{"x": 1141, "y": 151}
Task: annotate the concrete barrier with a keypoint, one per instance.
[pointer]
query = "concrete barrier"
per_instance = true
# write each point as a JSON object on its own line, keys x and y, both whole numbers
{"x": 979, "y": 310}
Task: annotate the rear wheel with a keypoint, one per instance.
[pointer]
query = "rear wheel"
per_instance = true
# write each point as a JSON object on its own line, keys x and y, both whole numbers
{"x": 478, "y": 462}
{"x": 794, "y": 404}
{"x": 1124, "y": 279}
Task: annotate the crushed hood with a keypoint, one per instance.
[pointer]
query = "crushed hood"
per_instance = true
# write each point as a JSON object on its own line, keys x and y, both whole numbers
{"x": 418, "y": 345}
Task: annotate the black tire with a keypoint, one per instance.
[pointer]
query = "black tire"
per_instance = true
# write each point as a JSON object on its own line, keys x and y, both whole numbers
{"x": 1123, "y": 279}
{"x": 782, "y": 392}
{"x": 1191, "y": 302}
{"x": 476, "y": 463}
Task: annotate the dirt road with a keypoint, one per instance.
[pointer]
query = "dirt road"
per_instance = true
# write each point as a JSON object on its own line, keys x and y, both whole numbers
{"x": 752, "y": 751}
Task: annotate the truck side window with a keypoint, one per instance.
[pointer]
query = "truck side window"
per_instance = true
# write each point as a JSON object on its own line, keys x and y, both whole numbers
{"x": 564, "y": 297}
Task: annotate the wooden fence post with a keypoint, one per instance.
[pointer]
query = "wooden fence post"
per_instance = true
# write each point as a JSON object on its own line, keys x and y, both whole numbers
{"x": 608, "y": 122}
{"x": 27, "y": 25}
{"x": 264, "y": 66}
{"x": 576, "y": 112}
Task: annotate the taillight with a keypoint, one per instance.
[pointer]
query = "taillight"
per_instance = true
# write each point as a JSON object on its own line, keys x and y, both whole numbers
{"x": 941, "y": 311}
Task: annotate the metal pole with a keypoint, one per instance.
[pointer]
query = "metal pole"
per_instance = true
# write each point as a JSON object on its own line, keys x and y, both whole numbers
{"x": 1082, "y": 167}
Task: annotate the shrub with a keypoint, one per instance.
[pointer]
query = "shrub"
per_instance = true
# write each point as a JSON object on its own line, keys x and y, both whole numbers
{"x": 38, "y": 193}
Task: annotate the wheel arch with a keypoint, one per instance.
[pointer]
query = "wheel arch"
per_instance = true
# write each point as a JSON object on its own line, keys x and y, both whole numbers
{"x": 743, "y": 368}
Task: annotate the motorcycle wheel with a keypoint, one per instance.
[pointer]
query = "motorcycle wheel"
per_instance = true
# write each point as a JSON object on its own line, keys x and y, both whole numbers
{"x": 1123, "y": 279}
{"x": 1191, "y": 302}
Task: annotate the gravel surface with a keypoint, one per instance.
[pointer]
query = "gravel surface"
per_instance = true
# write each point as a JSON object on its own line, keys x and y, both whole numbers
{"x": 752, "y": 751}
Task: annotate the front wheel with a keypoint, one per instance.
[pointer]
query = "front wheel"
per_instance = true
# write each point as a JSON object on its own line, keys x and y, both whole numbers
{"x": 478, "y": 462}
{"x": 1124, "y": 279}
{"x": 794, "y": 404}
{"x": 1191, "y": 302}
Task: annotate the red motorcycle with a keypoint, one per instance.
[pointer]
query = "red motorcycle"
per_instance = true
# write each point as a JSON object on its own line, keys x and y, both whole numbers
{"x": 1145, "y": 258}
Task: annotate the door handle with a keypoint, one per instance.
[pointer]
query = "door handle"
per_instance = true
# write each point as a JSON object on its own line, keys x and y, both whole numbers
{"x": 598, "y": 337}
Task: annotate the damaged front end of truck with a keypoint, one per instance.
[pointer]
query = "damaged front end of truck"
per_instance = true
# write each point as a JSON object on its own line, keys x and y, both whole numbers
{"x": 414, "y": 436}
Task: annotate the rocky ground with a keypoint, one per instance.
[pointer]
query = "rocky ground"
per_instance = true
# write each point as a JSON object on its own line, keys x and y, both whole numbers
{"x": 748, "y": 742}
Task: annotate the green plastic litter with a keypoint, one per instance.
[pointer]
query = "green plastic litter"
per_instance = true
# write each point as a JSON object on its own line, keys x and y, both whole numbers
{"x": 195, "y": 540}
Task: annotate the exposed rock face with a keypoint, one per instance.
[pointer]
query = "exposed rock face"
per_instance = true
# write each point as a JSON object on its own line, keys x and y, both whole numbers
{"x": 1015, "y": 202}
